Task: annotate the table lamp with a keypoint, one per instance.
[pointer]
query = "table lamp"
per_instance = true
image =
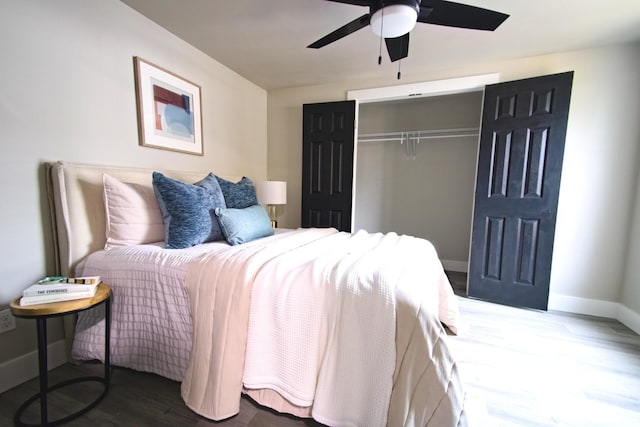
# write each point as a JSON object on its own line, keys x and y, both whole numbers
{"x": 272, "y": 193}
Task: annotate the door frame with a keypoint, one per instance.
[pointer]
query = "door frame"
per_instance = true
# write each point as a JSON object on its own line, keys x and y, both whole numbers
{"x": 424, "y": 89}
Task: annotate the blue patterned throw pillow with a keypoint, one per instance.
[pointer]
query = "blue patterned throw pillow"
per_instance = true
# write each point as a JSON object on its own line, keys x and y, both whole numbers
{"x": 188, "y": 210}
{"x": 244, "y": 225}
{"x": 238, "y": 195}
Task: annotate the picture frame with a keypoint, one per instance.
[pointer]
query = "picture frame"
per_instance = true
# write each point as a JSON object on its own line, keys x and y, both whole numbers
{"x": 169, "y": 109}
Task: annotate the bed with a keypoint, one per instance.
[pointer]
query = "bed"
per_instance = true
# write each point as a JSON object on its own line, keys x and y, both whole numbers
{"x": 344, "y": 328}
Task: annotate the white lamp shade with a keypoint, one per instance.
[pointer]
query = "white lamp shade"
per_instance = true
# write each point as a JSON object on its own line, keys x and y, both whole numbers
{"x": 272, "y": 192}
{"x": 398, "y": 19}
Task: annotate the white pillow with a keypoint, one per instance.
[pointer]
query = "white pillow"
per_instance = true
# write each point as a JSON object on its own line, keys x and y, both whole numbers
{"x": 132, "y": 214}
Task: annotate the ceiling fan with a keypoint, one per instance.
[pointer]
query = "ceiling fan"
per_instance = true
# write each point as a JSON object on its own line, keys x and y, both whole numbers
{"x": 394, "y": 19}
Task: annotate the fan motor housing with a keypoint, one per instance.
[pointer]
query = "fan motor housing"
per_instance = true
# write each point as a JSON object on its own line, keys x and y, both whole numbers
{"x": 377, "y": 5}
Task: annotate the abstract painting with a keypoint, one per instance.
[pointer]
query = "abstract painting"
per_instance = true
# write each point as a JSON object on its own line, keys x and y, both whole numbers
{"x": 169, "y": 109}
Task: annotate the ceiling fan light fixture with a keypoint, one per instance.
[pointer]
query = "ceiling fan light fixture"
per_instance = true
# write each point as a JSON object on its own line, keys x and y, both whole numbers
{"x": 399, "y": 19}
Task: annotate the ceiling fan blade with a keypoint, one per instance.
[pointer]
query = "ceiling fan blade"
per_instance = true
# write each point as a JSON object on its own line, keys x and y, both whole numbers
{"x": 354, "y": 2}
{"x": 341, "y": 32}
{"x": 459, "y": 15}
{"x": 398, "y": 47}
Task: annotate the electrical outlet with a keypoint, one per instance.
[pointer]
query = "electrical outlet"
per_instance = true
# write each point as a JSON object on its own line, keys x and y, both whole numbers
{"x": 7, "y": 321}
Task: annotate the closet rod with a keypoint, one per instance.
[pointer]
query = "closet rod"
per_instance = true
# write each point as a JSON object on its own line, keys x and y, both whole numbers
{"x": 366, "y": 138}
{"x": 419, "y": 134}
{"x": 457, "y": 135}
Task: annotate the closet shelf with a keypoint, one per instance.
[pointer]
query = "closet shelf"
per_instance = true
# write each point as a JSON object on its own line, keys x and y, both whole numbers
{"x": 418, "y": 135}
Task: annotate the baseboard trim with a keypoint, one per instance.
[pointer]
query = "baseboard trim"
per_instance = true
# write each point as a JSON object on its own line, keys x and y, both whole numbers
{"x": 629, "y": 318}
{"x": 592, "y": 307}
{"x": 21, "y": 369}
{"x": 452, "y": 265}
{"x": 578, "y": 305}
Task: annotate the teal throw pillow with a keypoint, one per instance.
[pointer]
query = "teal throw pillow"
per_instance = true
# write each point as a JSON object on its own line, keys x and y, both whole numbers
{"x": 244, "y": 225}
{"x": 188, "y": 210}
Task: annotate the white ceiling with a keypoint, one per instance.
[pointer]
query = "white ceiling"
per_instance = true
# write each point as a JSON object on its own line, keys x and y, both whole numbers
{"x": 265, "y": 41}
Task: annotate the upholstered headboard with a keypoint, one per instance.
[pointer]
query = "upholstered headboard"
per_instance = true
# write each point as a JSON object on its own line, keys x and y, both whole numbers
{"x": 76, "y": 194}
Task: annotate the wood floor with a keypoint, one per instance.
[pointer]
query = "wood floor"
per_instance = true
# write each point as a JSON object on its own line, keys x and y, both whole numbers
{"x": 521, "y": 368}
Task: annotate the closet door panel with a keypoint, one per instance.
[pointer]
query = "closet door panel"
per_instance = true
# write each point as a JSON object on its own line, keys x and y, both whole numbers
{"x": 518, "y": 180}
{"x": 327, "y": 164}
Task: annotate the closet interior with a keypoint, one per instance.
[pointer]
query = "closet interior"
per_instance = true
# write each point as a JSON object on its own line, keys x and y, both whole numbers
{"x": 415, "y": 170}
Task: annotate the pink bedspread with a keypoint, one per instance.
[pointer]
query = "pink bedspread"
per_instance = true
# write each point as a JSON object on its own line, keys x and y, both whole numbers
{"x": 365, "y": 314}
{"x": 151, "y": 326}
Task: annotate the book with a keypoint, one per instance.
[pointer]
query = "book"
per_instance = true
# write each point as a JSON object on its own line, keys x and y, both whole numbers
{"x": 56, "y": 289}
{"x": 44, "y": 299}
{"x": 50, "y": 287}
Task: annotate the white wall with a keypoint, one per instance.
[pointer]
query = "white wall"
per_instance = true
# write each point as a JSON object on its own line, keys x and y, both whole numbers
{"x": 631, "y": 285}
{"x": 67, "y": 93}
{"x": 597, "y": 194}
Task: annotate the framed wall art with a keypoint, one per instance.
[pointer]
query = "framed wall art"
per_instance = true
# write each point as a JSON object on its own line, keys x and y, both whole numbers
{"x": 169, "y": 109}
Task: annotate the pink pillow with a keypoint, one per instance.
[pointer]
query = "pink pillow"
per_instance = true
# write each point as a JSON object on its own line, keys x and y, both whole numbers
{"x": 132, "y": 213}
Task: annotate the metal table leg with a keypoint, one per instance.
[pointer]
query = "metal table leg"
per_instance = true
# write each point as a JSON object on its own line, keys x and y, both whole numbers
{"x": 42, "y": 366}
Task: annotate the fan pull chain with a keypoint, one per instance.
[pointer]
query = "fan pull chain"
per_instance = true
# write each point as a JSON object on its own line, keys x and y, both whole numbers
{"x": 399, "y": 74}
{"x": 381, "y": 32}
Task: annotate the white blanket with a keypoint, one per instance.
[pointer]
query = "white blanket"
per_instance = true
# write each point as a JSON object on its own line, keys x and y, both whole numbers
{"x": 219, "y": 289}
{"x": 348, "y": 325}
{"x": 322, "y": 328}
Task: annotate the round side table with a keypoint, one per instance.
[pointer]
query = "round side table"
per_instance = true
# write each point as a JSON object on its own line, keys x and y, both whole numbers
{"x": 41, "y": 312}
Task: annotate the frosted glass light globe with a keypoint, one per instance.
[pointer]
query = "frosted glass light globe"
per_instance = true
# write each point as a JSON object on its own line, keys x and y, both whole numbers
{"x": 399, "y": 19}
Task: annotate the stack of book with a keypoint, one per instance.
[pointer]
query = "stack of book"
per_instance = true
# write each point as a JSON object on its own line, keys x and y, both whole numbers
{"x": 55, "y": 289}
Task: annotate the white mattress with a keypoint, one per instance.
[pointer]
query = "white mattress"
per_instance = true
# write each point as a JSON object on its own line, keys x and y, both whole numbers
{"x": 151, "y": 328}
